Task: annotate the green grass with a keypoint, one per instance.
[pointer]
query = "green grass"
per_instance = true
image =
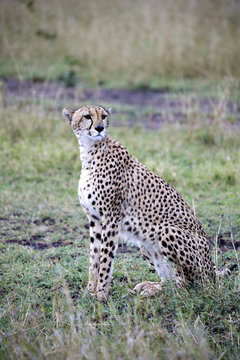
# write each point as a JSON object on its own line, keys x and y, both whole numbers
{"x": 185, "y": 48}
{"x": 45, "y": 311}
{"x": 127, "y": 44}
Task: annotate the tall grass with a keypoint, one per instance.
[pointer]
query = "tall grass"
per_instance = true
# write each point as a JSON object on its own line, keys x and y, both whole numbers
{"x": 130, "y": 42}
{"x": 47, "y": 314}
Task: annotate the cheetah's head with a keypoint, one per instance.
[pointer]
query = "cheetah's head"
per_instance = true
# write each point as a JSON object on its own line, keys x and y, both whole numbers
{"x": 89, "y": 121}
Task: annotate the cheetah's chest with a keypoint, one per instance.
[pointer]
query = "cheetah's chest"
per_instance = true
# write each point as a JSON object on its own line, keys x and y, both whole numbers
{"x": 85, "y": 192}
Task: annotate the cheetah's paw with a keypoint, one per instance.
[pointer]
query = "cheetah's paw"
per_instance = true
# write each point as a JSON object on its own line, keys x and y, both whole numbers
{"x": 147, "y": 288}
{"x": 102, "y": 296}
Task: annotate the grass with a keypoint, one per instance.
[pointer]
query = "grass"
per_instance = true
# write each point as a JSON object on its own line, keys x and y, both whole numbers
{"x": 45, "y": 311}
{"x": 189, "y": 49}
{"x": 128, "y": 44}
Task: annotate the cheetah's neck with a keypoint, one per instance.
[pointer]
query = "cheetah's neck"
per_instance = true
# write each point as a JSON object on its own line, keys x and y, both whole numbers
{"x": 87, "y": 148}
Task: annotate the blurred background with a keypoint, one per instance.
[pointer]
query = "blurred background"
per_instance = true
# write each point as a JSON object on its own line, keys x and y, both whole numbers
{"x": 127, "y": 43}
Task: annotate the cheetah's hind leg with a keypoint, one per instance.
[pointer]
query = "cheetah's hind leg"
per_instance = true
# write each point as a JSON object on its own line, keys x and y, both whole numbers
{"x": 165, "y": 271}
{"x": 147, "y": 288}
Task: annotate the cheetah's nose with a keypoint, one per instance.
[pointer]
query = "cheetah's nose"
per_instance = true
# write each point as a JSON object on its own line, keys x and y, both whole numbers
{"x": 99, "y": 128}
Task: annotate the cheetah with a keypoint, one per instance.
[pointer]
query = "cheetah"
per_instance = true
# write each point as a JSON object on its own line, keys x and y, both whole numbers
{"x": 121, "y": 197}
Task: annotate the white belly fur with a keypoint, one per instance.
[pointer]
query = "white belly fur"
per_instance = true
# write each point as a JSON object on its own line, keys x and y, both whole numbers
{"x": 162, "y": 266}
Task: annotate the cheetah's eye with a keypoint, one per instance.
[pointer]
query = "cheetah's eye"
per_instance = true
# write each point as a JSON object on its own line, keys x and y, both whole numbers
{"x": 104, "y": 116}
{"x": 87, "y": 117}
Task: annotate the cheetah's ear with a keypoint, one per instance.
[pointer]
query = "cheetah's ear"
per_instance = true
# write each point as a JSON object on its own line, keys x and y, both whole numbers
{"x": 67, "y": 114}
{"x": 109, "y": 110}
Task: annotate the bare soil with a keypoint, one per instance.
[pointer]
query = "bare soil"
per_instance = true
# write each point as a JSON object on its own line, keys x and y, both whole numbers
{"x": 39, "y": 230}
{"x": 151, "y": 108}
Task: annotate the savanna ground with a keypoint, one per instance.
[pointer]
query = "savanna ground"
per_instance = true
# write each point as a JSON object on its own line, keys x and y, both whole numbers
{"x": 176, "y": 105}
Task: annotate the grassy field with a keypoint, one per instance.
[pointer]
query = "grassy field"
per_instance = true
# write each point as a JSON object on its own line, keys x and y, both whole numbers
{"x": 126, "y": 43}
{"x": 188, "y": 133}
{"x": 46, "y": 312}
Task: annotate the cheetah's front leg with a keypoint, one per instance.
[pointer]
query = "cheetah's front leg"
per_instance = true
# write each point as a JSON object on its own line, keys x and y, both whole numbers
{"x": 109, "y": 245}
{"x": 95, "y": 246}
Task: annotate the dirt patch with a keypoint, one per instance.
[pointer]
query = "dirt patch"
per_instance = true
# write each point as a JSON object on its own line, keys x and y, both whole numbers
{"x": 47, "y": 220}
{"x": 151, "y": 108}
{"x": 46, "y": 232}
{"x": 41, "y": 233}
{"x": 38, "y": 245}
{"x": 225, "y": 242}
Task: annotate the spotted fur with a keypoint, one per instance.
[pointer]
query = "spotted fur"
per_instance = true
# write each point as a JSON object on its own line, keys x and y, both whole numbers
{"x": 122, "y": 197}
